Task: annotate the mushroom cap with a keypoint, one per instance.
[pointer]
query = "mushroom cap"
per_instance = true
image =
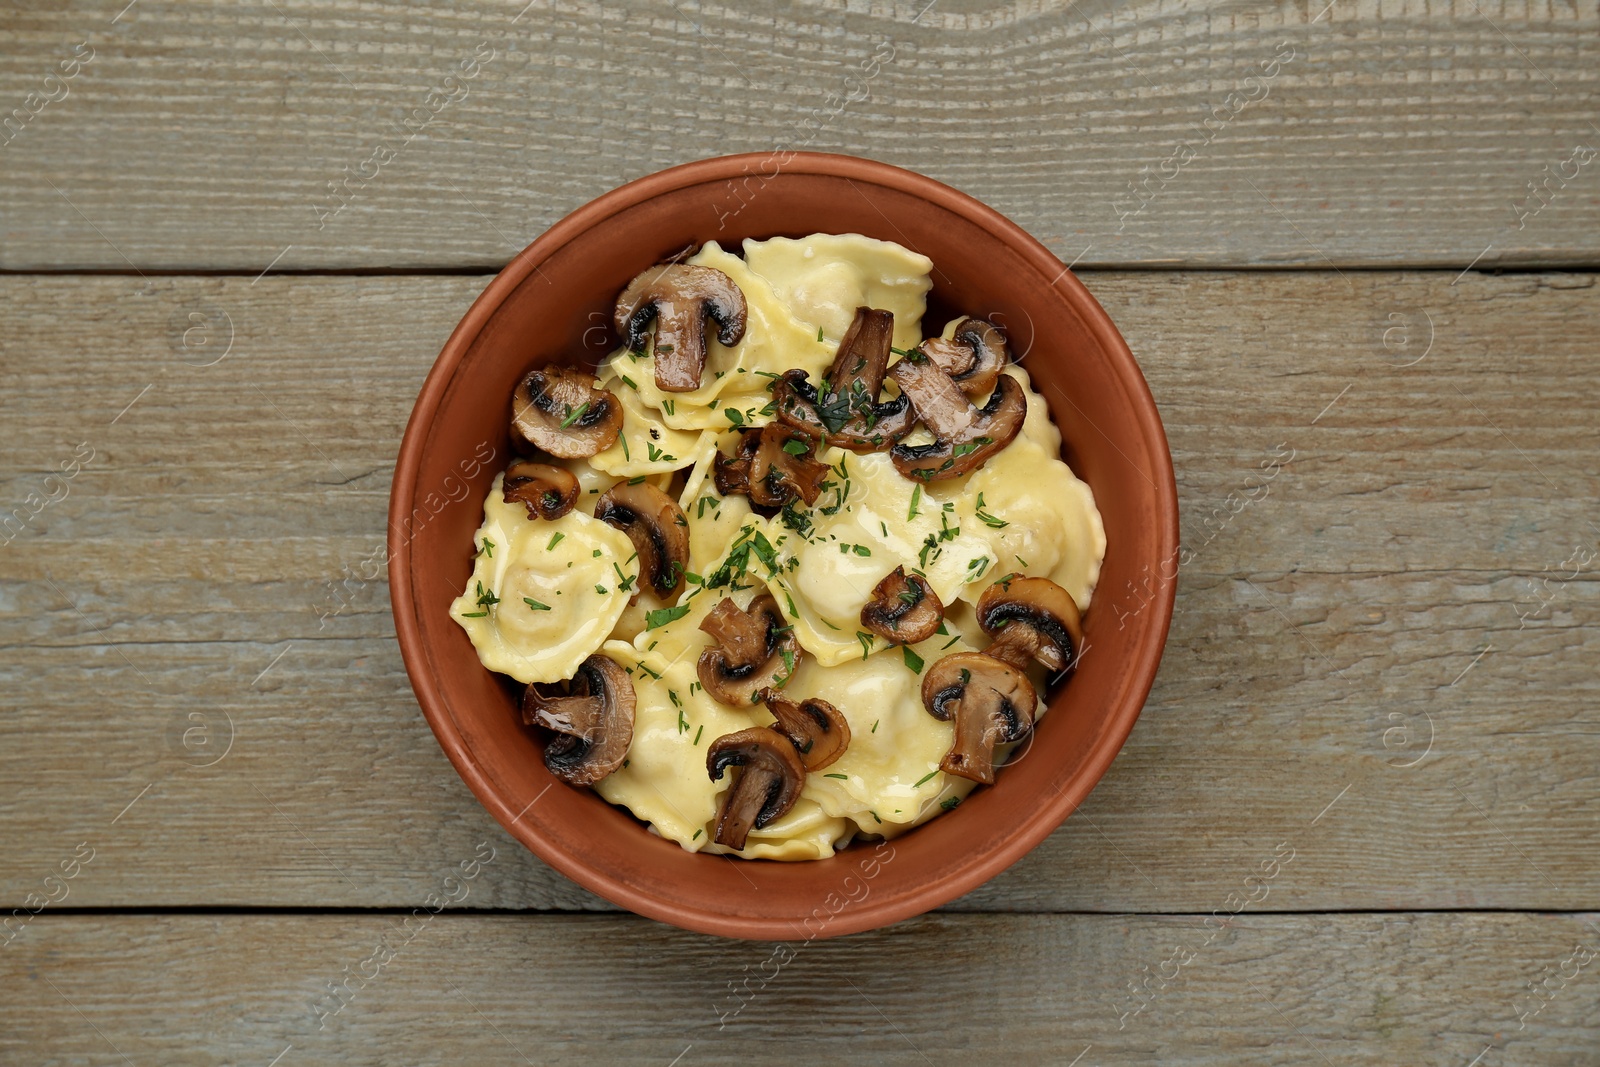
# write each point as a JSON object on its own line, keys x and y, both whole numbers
{"x": 819, "y": 731}
{"x": 847, "y": 412}
{"x": 593, "y": 720}
{"x": 657, "y": 527}
{"x": 769, "y": 784}
{"x": 964, "y": 436}
{"x": 991, "y": 701}
{"x": 904, "y": 609}
{"x": 565, "y": 412}
{"x": 548, "y": 491}
{"x": 678, "y": 297}
{"x": 973, "y": 355}
{"x": 754, "y": 650}
{"x": 1031, "y": 619}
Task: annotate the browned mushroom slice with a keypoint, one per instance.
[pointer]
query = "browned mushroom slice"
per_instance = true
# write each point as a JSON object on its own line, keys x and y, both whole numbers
{"x": 754, "y": 650}
{"x": 973, "y": 355}
{"x": 904, "y": 609}
{"x": 964, "y": 436}
{"x": 992, "y": 702}
{"x": 846, "y": 413}
{"x": 731, "y": 474}
{"x": 548, "y": 491}
{"x": 678, "y": 298}
{"x": 658, "y": 529}
{"x": 769, "y": 783}
{"x": 593, "y": 719}
{"x": 565, "y": 412}
{"x": 1031, "y": 619}
{"x": 817, "y": 728}
{"x": 784, "y": 467}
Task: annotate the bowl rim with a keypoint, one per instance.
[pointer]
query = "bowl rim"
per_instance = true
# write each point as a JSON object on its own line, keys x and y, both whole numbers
{"x": 1119, "y": 720}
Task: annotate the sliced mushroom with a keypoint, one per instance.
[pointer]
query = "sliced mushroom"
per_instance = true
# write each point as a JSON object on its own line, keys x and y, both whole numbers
{"x": 754, "y": 650}
{"x": 593, "y": 718}
{"x": 548, "y": 491}
{"x": 847, "y": 412}
{"x": 767, "y": 787}
{"x": 658, "y": 529}
{"x": 732, "y": 473}
{"x": 678, "y": 298}
{"x": 1031, "y": 619}
{"x": 964, "y": 436}
{"x": 991, "y": 701}
{"x": 904, "y": 609}
{"x": 565, "y": 412}
{"x": 973, "y": 355}
{"x": 817, "y": 728}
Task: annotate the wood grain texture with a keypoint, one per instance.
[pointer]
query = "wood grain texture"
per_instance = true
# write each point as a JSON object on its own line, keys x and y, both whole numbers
{"x": 206, "y": 136}
{"x": 1391, "y": 615}
{"x": 1347, "y": 989}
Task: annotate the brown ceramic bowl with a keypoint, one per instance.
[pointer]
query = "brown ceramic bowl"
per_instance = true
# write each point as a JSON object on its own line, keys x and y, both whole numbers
{"x": 553, "y": 303}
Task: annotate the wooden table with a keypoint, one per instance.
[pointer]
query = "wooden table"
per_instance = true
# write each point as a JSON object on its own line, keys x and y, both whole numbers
{"x": 1357, "y": 821}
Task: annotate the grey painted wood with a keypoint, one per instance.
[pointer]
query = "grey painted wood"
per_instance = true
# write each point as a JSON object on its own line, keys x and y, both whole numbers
{"x": 1147, "y": 132}
{"x": 1264, "y": 989}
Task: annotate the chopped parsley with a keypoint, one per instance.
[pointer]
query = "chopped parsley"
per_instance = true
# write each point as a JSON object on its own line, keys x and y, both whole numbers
{"x": 950, "y": 803}
{"x": 662, "y": 616}
{"x": 987, "y": 519}
{"x": 734, "y": 415}
{"x": 913, "y": 661}
{"x": 796, "y": 447}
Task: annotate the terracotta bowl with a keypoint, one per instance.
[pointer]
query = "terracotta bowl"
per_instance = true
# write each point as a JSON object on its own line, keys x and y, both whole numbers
{"x": 553, "y": 303}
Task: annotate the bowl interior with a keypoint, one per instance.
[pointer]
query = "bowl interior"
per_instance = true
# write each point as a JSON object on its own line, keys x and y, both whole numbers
{"x": 553, "y": 303}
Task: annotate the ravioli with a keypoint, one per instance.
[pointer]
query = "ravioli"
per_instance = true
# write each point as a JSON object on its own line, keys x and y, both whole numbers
{"x": 888, "y": 779}
{"x": 1023, "y": 512}
{"x": 825, "y": 277}
{"x": 645, "y": 445}
{"x": 543, "y": 595}
{"x": 879, "y": 520}
{"x": 664, "y": 781}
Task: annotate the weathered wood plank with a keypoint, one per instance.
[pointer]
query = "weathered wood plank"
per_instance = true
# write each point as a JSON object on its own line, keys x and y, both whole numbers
{"x": 1152, "y": 132}
{"x": 1319, "y": 630}
{"x": 1268, "y": 989}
